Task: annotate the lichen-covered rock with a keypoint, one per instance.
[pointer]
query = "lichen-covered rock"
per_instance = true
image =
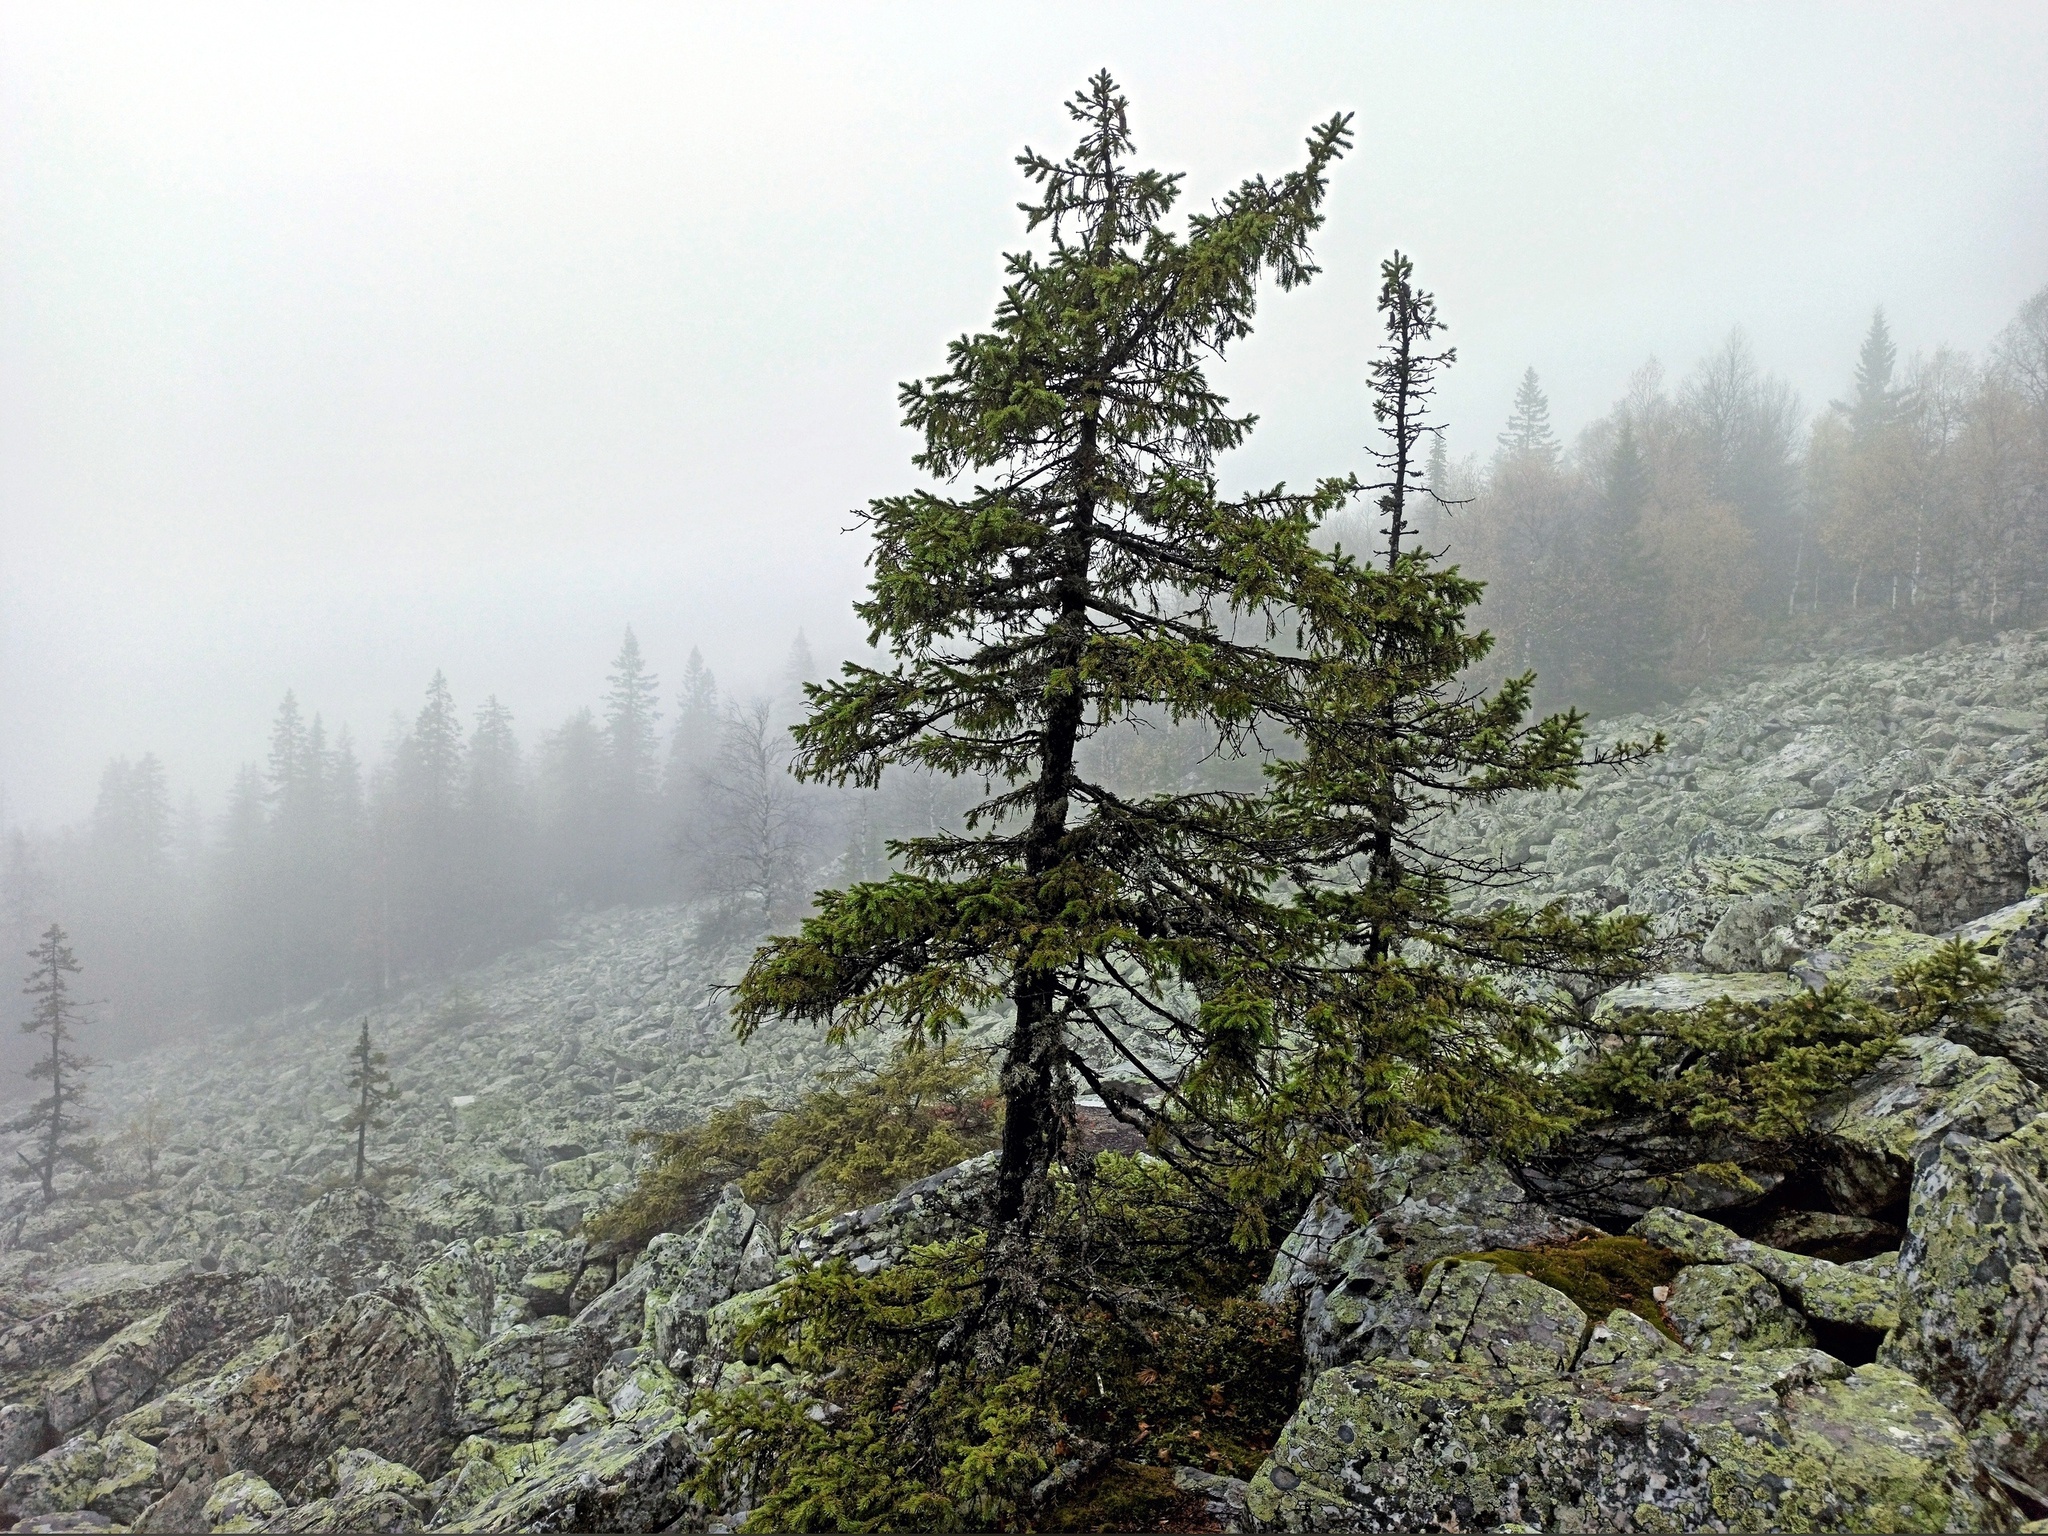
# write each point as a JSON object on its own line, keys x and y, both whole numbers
{"x": 1973, "y": 1288}
{"x": 478, "y": 1468}
{"x": 1872, "y": 1131}
{"x": 1684, "y": 991}
{"x": 473, "y": 1290}
{"x": 1827, "y": 1293}
{"x": 242, "y": 1501}
{"x": 24, "y": 1434}
{"x": 1477, "y": 1314}
{"x": 362, "y": 1492}
{"x": 351, "y": 1239}
{"x": 1623, "y": 1336}
{"x": 730, "y": 1250}
{"x": 1730, "y": 1306}
{"x": 510, "y": 1387}
{"x": 952, "y": 1203}
{"x": 1830, "y": 1235}
{"x": 624, "y": 1478}
{"x": 1946, "y": 858}
{"x": 112, "y": 1475}
{"x": 375, "y": 1376}
{"x": 1743, "y": 937}
{"x": 1418, "y": 1205}
{"x": 1777, "y": 1440}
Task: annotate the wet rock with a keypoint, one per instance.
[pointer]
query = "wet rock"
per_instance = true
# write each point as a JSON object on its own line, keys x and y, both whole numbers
{"x": 1871, "y": 1133}
{"x": 1730, "y": 1306}
{"x": 1744, "y": 934}
{"x": 375, "y": 1377}
{"x": 1947, "y": 858}
{"x": 952, "y": 1203}
{"x": 480, "y": 1467}
{"x": 509, "y": 1389}
{"x": 1623, "y": 1336}
{"x": 368, "y": 1494}
{"x": 349, "y": 1238}
{"x": 474, "y": 1289}
{"x": 1973, "y": 1293}
{"x": 624, "y": 1478}
{"x": 1413, "y": 1206}
{"x": 1771, "y": 1440}
{"x": 1830, "y": 1235}
{"x": 242, "y": 1501}
{"x": 1824, "y": 1292}
{"x": 1616, "y": 1171}
{"x": 1684, "y": 991}
{"x": 730, "y": 1250}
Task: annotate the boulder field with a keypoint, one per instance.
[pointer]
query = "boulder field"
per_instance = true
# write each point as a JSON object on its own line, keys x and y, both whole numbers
{"x": 243, "y": 1343}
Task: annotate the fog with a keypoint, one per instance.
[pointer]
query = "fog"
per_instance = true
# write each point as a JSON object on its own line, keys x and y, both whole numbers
{"x": 338, "y": 346}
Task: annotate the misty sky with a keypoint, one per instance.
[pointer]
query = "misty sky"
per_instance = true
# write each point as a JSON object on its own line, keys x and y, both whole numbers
{"x": 338, "y": 344}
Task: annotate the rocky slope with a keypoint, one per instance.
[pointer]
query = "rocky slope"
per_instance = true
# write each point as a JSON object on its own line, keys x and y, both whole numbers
{"x": 231, "y": 1348}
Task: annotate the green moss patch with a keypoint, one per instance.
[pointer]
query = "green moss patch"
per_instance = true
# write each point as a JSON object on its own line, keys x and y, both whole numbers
{"x": 1598, "y": 1273}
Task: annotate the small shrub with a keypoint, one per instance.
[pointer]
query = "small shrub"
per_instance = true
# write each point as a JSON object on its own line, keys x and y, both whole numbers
{"x": 856, "y": 1138}
{"x": 1755, "y": 1071}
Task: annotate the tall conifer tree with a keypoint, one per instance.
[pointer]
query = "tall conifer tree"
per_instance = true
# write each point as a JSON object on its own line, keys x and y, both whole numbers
{"x": 1087, "y": 571}
{"x": 54, "y": 1119}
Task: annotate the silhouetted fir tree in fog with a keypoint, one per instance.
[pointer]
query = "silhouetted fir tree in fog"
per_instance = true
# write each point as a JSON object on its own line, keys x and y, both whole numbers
{"x": 370, "y": 1087}
{"x": 692, "y": 746}
{"x": 54, "y": 1119}
{"x": 573, "y": 779}
{"x": 757, "y": 837}
{"x": 1528, "y": 434}
{"x": 500, "y": 877}
{"x": 419, "y": 833}
{"x": 1875, "y": 405}
{"x": 634, "y": 851}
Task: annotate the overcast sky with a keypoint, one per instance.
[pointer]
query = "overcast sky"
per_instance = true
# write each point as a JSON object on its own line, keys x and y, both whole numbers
{"x": 338, "y": 344}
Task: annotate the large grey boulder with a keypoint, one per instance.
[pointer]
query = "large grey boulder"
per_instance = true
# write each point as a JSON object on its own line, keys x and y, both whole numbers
{"x": 351, "y": 1239}
{"x": 1827, "y": 1293}
{"x": 361, "y": 1491}
{"x": 477, "y": 1288}
{"x": 1870, "y": 1134}
{"x": 510, "y": 1387}
{"x": 1946, "y": 858}
{"x": 1414, "y": 1206}
{"x": 1731, "y": 1306}
{"x": 624, "y": 1478}
{"x": 112, "y": 1475}
{"x": 1772, "y": 1440}
{"x": 1480, "y": 1315}
{"x": 1973, "y": 1293}
{"x": 376, "y": 1376}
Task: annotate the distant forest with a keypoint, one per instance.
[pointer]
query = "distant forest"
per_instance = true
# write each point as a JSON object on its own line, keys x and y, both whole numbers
{"x": 1696, "y": 527}
{"x": 1690, "y": 530}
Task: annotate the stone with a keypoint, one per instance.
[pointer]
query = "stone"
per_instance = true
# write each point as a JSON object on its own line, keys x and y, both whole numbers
{"x": 1414, "y": 1206}
{"x": 366, "y": 1493}
{"x": 625, "y": 1478}
{"x": 1947, "y": 858}
{"x": 1478, "y": 1314}
{"x": 509, "y": 1389}
{"x": 1744, "y": 932}
{"x": 1684, "y": 991}
{"x": 113, "y": 1475}
{"x": 1830, "y": 1235}
{"x": 474, "y": 1289}
{"x": 242, "y": 1501}
{"x": 1784, "y": 1439}
{"x": 1730, "y": 1306}
{"x": 1623, "y": 1336}
{"x": 1973, "y": 1293}
{"x": 729, "y": 1251}
{"x": 24, "y": 1433}
{"x": 375, "y": 1377}
{"x": 578, "y": 1416}
{"x": 1871, "y": 1133}
{"x": 349, "y": 1238}
{"x": 1824, "y": 1292}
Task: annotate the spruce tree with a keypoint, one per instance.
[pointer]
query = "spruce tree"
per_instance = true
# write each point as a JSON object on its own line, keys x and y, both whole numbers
{"x": 1402, "y": 1001}
{"x": 1876, "y": 404}
{"x": 370, "y": 1085}
{"x": 1528, "y": 433}
{"x": 1074, "y": 566}
{"x": 54, "y": 1119}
